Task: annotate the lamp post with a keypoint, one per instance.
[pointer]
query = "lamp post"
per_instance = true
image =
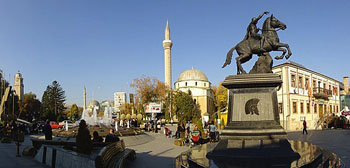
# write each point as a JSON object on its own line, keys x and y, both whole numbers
{"x": 14, "y": 121}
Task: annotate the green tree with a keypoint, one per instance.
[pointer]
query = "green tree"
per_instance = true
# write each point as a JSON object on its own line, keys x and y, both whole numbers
{"x": 30, "y": 108}
{"x": 185, "y": 107}
{"x": 74, "y": 112}
{"x": 53, "y": 102}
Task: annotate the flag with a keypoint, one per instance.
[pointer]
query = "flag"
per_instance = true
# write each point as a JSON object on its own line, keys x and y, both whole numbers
{"x": 309, "y": 91}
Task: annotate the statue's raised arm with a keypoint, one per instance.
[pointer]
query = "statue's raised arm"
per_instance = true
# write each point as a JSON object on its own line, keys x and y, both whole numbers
{"x": 252, "y": 29}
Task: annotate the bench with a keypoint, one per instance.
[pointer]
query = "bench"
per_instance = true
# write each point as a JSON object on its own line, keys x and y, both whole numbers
{"x": 114, "y": 155}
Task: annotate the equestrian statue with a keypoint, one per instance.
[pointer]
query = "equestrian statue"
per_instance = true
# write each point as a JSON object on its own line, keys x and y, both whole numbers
{"x": 259, "y": 44}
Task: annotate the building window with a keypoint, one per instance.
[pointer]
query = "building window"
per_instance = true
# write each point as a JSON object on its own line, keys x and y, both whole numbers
{"x": 185, "y": 83}
{"x": 293, "y": 80}
{"x": 314, "y": 84}
{"x": 320, "y": 108}
{"x": 306, "y": 83}
{"x": 336, "y": 110}
{"x": 301, "y": 107}
{"x": 205, "y": 84}
{"x": 280, "y": 108}
{"x": 196, "y": 83}
{"x": 178, "y": 85}
{"x": 315, "y": 108}
{"x": 300, "y": 82}
{"x": 294, "y": 107}
{"x": 308, "y": 107}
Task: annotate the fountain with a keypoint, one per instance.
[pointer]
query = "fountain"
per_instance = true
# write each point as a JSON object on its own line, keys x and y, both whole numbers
{"x": 93, "y": 120}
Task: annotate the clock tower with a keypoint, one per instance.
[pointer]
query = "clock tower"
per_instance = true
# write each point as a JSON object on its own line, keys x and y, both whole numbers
{"x": 19, "y": 87}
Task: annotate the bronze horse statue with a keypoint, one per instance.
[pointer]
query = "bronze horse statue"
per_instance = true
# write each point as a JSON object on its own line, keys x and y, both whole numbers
{"x": 246, "y": 48}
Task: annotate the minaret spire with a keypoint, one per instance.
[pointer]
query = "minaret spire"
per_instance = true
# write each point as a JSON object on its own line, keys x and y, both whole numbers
{"x": 167, "y": 44}
{"x": 84, "y": 107}
{"x": 167, "y": 31}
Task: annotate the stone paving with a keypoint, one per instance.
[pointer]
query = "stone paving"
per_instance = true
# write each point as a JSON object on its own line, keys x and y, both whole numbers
{"x": 336, "y": 141}
{"x": 156, "y": 150}
{"x": 8, "y": 157}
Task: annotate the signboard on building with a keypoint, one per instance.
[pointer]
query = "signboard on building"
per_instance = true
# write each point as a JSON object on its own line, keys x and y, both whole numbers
{"x": 153, "y": 108}
{"x": 345, "y": 113}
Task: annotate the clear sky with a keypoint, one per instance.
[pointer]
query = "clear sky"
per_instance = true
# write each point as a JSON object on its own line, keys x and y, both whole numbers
{"x": 104, "y": 45}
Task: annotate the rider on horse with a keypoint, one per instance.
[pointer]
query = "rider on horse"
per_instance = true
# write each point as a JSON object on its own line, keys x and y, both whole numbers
{"x": 252, "y": 30}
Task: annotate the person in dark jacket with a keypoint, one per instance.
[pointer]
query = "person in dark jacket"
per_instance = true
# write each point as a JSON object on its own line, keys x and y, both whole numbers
{"x": 96, "y": 137}
{"x": 83, "y": 139}
{"x": 47, "y": 130}
{"x": 111, "y": 137}
{"x": 304, "y": 127}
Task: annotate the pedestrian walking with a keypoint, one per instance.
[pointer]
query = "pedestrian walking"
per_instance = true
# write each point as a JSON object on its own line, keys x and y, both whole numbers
{"x": 304, "y": 125}
{"x": 212, "y": 129}
{"x": 47, "y": 130}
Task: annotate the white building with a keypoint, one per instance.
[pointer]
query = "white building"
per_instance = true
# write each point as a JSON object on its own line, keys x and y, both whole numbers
{"x": 305, "y": 95}
{"x": 197, "y": 82}
{"x": 119, "y": 99}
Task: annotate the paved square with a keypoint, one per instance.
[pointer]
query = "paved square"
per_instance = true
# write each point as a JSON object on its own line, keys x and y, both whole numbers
{"x": 336, "y": 141}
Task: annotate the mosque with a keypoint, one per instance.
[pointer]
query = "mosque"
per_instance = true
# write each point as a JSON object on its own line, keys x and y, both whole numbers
{"x": 189, "y": 80}
{"x": 197, "y": 83}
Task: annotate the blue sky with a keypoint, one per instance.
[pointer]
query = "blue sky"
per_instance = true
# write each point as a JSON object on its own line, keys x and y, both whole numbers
{"x": 104, "y": 45}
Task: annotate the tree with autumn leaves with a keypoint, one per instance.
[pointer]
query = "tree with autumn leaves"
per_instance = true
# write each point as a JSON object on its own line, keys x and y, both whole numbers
{"x": 147, "y": 90}
{"x": 152, "y": 90}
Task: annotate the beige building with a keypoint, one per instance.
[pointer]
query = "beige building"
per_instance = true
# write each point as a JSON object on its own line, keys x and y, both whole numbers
{"x": 305, "y": 95}
{"x": 197, "y": 82}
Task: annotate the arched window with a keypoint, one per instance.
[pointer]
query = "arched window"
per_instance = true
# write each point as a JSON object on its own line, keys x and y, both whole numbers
{"x": 185, "y": 83}
{"x": 205, "y": 84}
{"x": 196, "y": 83}
{"x": 195, "y": 101}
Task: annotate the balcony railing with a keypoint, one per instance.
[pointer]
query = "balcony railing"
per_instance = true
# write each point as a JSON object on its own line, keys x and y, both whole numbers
{"x": 321, "y": 93}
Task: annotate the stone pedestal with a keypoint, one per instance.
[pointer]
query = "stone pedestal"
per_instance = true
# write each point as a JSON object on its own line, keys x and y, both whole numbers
{"x": 253, "y": 136}
{"x": 253, "y": 131}
{"x": 253, "y": 107}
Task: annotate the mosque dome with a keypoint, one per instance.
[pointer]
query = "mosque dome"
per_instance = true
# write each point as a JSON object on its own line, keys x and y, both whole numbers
{"x": 93, "y": 104}
{"x": 192, "y": 75}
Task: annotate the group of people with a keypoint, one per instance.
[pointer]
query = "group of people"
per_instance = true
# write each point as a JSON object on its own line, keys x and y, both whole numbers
{"x": 126, "y": 123}
{"x": 194, "y": 137}
{"x": 83, "y": 139}
{"x": 153, "y": 125}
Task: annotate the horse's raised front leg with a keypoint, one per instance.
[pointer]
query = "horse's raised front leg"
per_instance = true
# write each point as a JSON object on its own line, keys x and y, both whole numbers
{"x": 284, "y": 53}
{"x": 287, "y": 47}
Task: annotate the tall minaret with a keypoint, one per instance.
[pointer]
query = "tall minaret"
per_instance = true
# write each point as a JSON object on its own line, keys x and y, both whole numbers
{"x": 84, "y": 107}
{"x": 167, "y": 44}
